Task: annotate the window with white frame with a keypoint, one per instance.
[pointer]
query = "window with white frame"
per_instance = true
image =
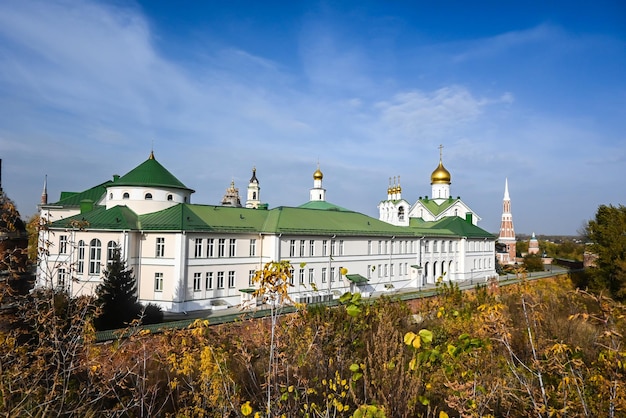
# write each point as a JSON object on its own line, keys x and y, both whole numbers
{"x": 160, "y": 247}
{"x": 251, "y": 274}
{"x": 332, "y": 274}
{"x": 197, "y": 252}
{"x": 95, "y": 255}
{"x": 341, "y": 248}
{"x": 197, "y": 282}
{"x": 61, "y": 276}
{"x": 292, "y": 248}
{"x": 323, "y": 274}
{"x": 253, "y": 247}
{"x": 369, "y": 247}
{"x": 220, "y": 279}
{"x": 210, "y": 245}
{"x": 208, "y": 280}
{"x": 325, "y": 247}
{"x": 369, "y": 270}
{"x": 231, "y": 279}
{"x": 302, "y": 248}
{"x": 301, "y": 276}
{"x": 221, "y": 243}
{"x": 311, "y": 276}
{"x": 380, "y": 271}
{"x": 62, "y": 244}
{"x": 426, "y": 246}
{"x": 111, "y": 246}
{"x": 232, "y": 247}
{"x": 332, "y": 247}
{"x": 391, "y": 269}
{"x": 291, "y": 276}
{"x": 80, "y": 265}
{"x": 386, "y": 270}
{"x": 380, "y": 247}
{"x": 311, "y": 248}
{"x": 158, "y": 282}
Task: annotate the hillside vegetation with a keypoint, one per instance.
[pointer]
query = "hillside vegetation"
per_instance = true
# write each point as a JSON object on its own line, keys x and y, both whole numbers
{"x": 533, "y": 349}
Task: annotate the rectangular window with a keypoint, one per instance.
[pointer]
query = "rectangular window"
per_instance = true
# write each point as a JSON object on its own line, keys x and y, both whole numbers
{"x": 380, "y": 271}
{"x": 332, "y": 274}
{"x": 301, "y": 248}
{"x": 208, "y": 280}
{"x": 95, "y": 254}
{"x": 369, "y": 247}
{"x": 332, "y": 247}
{"x": 291, "y": 276}
{"x": 210, "y": 244}
{"x": 323, "y": 274}
{"x": 232, "y": 247}
{"x": 301, "y": 276}
{"x": 380, "y": 247}
{"x": 158, "y": 282}
{"x": 231, "y": 279}
{"x": 341, "y": 247}
{"x": 391, "y": 269}
{"x": 311, "y": 278}
{"x": 426, "y": 246}
{"x": 369, "y": 271}
{"x": 160, "y": 247}
{"x": 61, "y": 277}
{"x": 406, "y": 268}
{"x": 220, "y": 279}
{"x": 220, "y": 247}
{"x": 311, "y": 248}
{"x": 386, "y": 247}
{"x": 251, "y": 274}
{"x": 253, "y": 247}
{"x": 63, "y": 244}
{"x": 386, "y": 270}
{"x": 81, "y": 257}
{"x": 292, "y": 248}
{"x": 198, "y": 248}
{"x": 197, "y": 282}
{"x": 434, "y": 246}
{"x": 324, "y": 247}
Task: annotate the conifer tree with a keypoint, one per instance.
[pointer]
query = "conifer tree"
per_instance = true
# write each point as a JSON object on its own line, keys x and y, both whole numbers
{"x": 117, "y": 295}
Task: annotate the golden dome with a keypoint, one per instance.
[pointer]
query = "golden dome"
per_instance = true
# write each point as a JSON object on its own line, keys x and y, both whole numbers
{"x": 318, "y": 174}
{"x": 440, "y": 175}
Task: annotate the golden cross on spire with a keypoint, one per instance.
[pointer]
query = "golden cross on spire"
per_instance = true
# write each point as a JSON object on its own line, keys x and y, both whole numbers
{"x": 440, "y": 151}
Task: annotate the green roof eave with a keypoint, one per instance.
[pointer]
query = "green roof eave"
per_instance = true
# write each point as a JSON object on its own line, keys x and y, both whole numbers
{"x": 95, "y": 194}
{"x": 119, "y": 218}
{"x": 356, "y": 278}
{"x": 435, "y": 208}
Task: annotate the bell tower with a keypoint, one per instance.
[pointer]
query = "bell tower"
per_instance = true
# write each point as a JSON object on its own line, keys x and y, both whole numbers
{"x": 507, "y": 232}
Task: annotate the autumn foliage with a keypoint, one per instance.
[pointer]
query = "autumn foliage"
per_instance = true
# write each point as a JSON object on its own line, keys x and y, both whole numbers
{"x": 532, "y": 349}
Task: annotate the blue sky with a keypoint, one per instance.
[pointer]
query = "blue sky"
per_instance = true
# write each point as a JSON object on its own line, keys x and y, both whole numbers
{"x": 530, "y": 91}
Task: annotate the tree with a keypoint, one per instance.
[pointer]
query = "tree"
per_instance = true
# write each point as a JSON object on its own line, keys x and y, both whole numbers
{"x": 117, "y": 295}
{"x": 533, "y": 262}
{"x": 607, "y": 234}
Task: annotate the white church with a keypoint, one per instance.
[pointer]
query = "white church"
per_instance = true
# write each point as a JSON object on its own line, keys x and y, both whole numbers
{"x": 188, "y": 256}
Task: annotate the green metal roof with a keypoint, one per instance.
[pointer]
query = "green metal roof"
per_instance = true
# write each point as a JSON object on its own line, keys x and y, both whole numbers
{"x": 288, "y": 220}
{"x": 280, "y": 220}
{"x": 74, "y": 198}
{"x": 435, "y": 208}
{"x": 150, "y": 173}
{"x": 322, "y": 205}
{"x": 116, "y": 218}
{"x": 356, "y": 278}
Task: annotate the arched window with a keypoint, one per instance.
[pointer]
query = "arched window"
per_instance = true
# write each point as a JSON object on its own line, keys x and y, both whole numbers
{"x": 111, "y": 246}
{"x": 170, "y": 197}
{"x": 95, "y": 254}
{"x": 148, "y": 196}
{"x": 126, "y": 195}
{"x": 401, "y": 213}
{"x": 110, "y": 195}
{"x": 253, "y": 195}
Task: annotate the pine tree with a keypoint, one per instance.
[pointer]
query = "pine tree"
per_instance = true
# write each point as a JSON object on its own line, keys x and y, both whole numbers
{"x": 117, "y": 295}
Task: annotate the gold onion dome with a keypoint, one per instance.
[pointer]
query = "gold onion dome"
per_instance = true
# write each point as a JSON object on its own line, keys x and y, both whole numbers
{"x": 318, "y": 174}
{"x": 440, "y": 175}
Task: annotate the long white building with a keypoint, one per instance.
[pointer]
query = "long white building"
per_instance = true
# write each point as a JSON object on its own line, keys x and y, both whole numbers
{"x": 194, "y": 256}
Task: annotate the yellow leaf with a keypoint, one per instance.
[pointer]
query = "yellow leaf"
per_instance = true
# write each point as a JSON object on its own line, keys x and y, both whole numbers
{"x": 246, "y": 409}
{"x": 417, "y": 341}
{"x": 408, "y": 338}
{"x": 442, "y": 414}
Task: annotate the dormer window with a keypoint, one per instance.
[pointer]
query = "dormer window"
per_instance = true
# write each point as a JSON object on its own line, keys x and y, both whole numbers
{"x": 148, "y": 196}
{"x": 170, "y": 197}
{"x": 111, "y": 196}
{"x": 125, "y": 196}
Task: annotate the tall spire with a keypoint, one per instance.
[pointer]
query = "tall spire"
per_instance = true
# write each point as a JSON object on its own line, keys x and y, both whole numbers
{"x": 507, "y": 232}
{"x": 44, "y": 193}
